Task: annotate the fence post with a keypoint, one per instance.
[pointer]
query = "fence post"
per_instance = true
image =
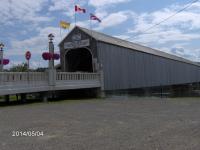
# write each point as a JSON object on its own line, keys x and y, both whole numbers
{"x": 1, "y": 78}
{"x": 52, "y": 77}
{"x": 51, "y": 69}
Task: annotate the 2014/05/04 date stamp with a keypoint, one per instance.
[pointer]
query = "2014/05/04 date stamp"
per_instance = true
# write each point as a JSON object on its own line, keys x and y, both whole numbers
{"x": 27, "y": 133}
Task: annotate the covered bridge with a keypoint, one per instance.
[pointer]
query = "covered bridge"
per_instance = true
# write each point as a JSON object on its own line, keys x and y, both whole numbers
{"x": 125, "y": 65}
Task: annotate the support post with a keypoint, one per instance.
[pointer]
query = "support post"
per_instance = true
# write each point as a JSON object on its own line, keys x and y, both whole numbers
{"x": 52, "y": 77}
{"x": 51, "y": 51}
{"x": 44, "y": 97}
{"x": 161, "y": 91}
{"x": 17, "y": 97}
{"x": 1, "y": 56}
{"x": 51, "y": 69}
{"x": 7, "y": 98}
{"x": 100, "y": 93}
{"x": 147, "y": 92}
{"x": 23, "y": 98}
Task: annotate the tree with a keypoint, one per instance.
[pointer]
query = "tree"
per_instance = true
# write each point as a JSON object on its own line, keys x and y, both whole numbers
{"x": 19, "y": 68}
{"x": 40, "y": 69}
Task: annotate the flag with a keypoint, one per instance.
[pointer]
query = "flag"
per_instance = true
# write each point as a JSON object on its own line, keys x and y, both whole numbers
{"x": 79, "y": 9}
{"x": 93, "y": 17}
{"x": 64, "y": 25}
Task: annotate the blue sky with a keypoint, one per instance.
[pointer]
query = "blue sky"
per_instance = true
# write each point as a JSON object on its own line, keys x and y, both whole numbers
{"x": 25, "y": 24}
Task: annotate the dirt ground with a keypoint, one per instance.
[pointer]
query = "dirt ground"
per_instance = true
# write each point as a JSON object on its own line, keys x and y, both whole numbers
{"x": 110, "y": 124}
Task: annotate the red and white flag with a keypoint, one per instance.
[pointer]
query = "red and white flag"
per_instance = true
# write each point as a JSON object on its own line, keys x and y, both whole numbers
{"x": 79, "y": 9}
{"x": 93, "y": 17}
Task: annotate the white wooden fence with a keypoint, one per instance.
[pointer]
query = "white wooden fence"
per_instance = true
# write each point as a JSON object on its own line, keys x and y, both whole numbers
{"x": 26, "y": 82}
{"x": 21, "y": 77}
{"x": 77, "y": 76}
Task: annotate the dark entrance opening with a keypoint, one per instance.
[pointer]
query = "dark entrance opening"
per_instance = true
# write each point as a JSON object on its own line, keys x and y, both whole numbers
{"x": 79, "y": 60}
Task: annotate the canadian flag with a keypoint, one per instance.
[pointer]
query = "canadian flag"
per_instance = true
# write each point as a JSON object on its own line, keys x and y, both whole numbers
{"x": 93, "y": 17}
{"x": 79, "y": 9}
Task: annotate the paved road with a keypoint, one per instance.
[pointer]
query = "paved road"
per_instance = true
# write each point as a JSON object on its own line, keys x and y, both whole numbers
{"x": 119, "y": 124}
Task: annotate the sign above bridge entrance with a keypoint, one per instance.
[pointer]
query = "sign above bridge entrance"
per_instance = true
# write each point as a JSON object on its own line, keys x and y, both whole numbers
{"x": 76, "y": 37}
{"x": 77, "y": 44}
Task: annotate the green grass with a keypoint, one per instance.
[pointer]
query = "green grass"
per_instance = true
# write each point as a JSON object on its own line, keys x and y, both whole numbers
{"x": 12, "y": 98}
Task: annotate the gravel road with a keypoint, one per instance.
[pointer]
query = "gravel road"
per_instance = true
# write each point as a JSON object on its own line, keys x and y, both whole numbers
{"x": 109, "y": 124}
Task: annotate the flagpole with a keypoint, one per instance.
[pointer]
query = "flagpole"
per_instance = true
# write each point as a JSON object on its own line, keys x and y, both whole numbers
{"x": 75, "y": 18}
{"x": 90, "y": 25}
{"x": 74, "y": 12}
{"x": 60, "y": 27}
{"x": 60, "y": 34}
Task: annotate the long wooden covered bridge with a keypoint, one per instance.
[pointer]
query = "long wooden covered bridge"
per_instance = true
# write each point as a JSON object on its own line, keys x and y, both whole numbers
{"x": 91, "y": 59}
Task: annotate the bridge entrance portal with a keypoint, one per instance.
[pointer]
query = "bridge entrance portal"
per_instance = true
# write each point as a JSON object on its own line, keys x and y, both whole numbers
{"x": 78, "y": 60}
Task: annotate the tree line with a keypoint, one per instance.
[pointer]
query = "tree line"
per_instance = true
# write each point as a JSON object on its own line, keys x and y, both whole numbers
{"x": 24, "y": 68}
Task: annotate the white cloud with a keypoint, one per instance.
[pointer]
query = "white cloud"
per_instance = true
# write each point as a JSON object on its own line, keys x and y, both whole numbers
{"x": 122, "y": 36}
{"x": 162, "y": 37}
{"x": 174, "y": 36}
{"x": 63, "y": 5}
{"x": 103, "y": 9}
{"x": 23, "y": 10}
{"x": 187, "y": 53}
{"x": 66, "y": 6}
{"x": 186, "y": 19}
{"x": 37, "y": 44}
{"x": 114, "y": 19}
{"x": 101, "y": 12}
{"x": 100, "y": 3}
{"x": 180, "y": 27}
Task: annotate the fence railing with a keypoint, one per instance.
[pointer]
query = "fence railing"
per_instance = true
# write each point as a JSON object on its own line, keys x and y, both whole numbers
{"x": 28, "y": 82}
{"x": 77, "y": 76}
{"x": 22, "y": 76}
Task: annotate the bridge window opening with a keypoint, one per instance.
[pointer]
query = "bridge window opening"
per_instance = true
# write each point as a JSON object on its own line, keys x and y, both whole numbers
{"x": 79, "y": 60}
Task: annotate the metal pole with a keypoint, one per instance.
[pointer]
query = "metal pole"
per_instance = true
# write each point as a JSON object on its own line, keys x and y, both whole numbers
{"x": 74, "y": 13}
{"x": 28, "y": 70}
{"x": 51, "y": 51}
{"x": 1, "y": 56}
{"x": 51, "y": 70}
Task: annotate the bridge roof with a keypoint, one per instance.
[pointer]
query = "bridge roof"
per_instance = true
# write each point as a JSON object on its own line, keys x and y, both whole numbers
{"x": 130, "y": 45}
